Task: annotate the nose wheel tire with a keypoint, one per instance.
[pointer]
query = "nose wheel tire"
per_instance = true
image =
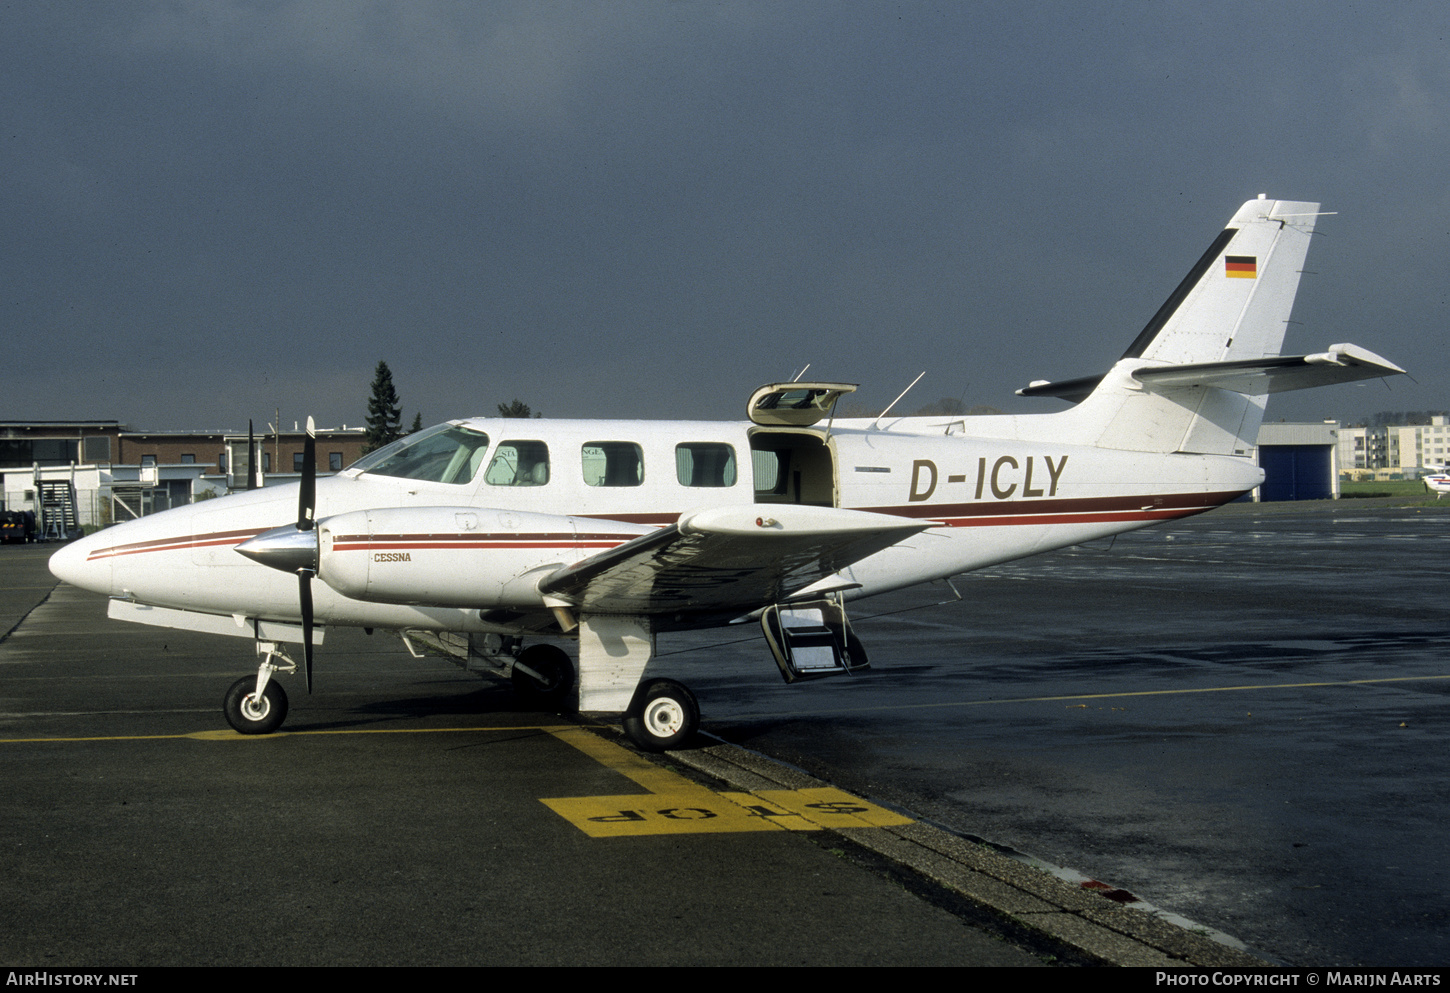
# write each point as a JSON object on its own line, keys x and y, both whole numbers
{"x": 664, "y": 715}
{"x": 250, "y": 715}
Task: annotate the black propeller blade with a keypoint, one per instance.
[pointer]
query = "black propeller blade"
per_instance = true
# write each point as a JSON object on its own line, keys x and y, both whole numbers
{"x": 307, "y": 498}
{"x": 294, "y": 549}
{"x": 306, "y": 521}
{"x": 251, "y": 457}
{"x": 304, "y": 594}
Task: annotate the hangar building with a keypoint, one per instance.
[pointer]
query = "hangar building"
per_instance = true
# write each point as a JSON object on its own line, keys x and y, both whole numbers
{"x": 1300, "y": 461}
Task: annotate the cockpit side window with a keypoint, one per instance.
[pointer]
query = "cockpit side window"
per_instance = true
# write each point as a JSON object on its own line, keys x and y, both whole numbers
{"x": 447, "y": 453}
{"x": 613, "y": 463}
{"x": 519, "y": 463}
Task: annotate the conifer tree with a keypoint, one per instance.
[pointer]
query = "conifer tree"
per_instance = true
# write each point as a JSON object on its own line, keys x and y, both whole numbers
{"x": 385, "y": 417}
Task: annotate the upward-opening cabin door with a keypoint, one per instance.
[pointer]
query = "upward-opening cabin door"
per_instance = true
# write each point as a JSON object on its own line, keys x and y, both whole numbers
{"x": 794, "y": 461}
{"x": 792, "y": 458}
{"x": 794, "y": 467}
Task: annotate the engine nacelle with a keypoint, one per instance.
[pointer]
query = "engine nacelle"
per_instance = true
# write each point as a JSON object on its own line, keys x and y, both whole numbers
{"x": 456, "y": 556}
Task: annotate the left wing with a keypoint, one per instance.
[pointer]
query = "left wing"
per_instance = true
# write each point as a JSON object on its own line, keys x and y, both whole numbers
{"x": 726, "y": 559}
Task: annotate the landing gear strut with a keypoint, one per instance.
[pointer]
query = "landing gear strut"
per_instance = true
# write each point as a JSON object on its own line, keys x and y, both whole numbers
{"x": 543, "y": 676}
{"x": 664, "y": 715}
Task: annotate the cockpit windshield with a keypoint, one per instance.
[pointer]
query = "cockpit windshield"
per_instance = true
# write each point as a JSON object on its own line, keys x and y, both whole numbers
{"x": 447, "y": 453}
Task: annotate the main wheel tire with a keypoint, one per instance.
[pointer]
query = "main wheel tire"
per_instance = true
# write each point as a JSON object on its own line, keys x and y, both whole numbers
{"x": 247, "y": 714}
{"x": 550, "y": 662}
{"x": 664, "y": 715}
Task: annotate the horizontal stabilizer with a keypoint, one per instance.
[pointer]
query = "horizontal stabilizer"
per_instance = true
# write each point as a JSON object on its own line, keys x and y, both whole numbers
{"x": 728, "y": 560}
{"x": 1343, "y": 363}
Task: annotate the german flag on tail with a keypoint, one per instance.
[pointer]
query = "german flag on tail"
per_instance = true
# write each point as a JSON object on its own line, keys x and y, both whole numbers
{"x": 1241, "y": 266}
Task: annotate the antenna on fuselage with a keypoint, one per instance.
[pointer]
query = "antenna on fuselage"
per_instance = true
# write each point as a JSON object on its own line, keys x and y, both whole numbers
{"x": 797, "y": 377}
{"x": 893, "y": 403}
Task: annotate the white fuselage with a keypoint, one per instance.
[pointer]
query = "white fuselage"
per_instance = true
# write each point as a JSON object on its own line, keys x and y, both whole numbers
{"x": 484, "y": 542}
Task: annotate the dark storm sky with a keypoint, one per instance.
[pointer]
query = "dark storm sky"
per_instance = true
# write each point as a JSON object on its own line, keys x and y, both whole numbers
{"x": 212, "y": 210}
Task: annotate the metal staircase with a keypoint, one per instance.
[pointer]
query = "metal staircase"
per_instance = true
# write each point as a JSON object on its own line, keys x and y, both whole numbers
{"x": 58, "y": 519}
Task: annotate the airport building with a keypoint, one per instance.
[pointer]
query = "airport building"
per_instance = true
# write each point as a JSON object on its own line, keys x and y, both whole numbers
{"x": 86, "y": 474}
{"x": 1395, "y": 450}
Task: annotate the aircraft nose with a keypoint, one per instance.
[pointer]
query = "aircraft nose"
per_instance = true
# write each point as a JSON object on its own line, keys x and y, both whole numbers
{"x": 72, "y": 564}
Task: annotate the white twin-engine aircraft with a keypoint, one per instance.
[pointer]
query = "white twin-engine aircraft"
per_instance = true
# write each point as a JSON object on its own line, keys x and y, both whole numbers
{"x": 609, "y": 532}
{"x": 1438, "y": 480}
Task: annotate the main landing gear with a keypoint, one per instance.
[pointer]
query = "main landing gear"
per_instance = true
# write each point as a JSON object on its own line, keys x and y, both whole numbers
{"x": 542, "y": 676}
{"x": 663, "y": 715}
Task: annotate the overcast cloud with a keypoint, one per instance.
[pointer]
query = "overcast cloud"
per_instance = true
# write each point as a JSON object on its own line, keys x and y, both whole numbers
{"x": 216, "y": 209}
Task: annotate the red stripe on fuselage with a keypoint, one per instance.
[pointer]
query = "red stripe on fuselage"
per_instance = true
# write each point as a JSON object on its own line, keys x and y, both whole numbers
{"x": 1005, "y": 513}
{"x": 176, "y": 543}
{"x": 1088, "y": 510}
{"x": 470, "y": 540}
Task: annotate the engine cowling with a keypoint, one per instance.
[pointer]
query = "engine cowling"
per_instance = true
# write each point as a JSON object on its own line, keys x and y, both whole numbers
{"x": 456, "y": 556}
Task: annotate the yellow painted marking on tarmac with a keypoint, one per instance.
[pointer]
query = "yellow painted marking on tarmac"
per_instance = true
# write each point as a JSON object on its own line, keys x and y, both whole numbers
{"x": 507, "y": 727}
{"x": 230, "y": 735}
{"x": 672, "y": 805}
{"x": 113, "y": 737}
{"x": 694, "y": 811}
{"x": 676, "y": 805}
{"x": 833, "y": 808}
{"x": 777, "y": 813}
{"x": 655, "y": 778}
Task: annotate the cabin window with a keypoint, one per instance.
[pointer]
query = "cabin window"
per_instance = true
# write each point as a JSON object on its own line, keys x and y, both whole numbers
{"x": 519, "y": 463}
{"x": 613, "y": 463}
{"x": 448, "y": 453}
{"x": 705, "y": 463}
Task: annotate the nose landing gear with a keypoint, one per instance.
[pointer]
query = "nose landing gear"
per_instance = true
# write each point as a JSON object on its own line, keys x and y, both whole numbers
{"x": 257, "y": 704}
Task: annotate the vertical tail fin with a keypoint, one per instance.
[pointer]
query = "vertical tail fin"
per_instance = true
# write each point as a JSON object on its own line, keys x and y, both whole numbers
{"x": 1235, "y": 302}
{"x": 1234, "y": 305}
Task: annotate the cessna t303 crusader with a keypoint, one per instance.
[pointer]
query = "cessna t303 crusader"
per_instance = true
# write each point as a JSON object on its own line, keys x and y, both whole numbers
{"x": 606, "y": 533}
